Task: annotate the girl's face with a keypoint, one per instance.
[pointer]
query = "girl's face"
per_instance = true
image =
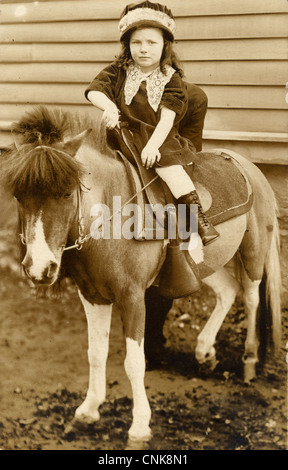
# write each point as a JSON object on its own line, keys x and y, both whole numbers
{"x": 146, "y": 47}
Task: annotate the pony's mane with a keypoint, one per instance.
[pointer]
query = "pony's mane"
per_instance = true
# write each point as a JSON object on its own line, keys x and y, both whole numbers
{"x": 30, "y": 168}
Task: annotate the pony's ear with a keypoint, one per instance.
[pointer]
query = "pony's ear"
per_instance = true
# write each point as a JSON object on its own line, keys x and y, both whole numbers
{"x": 72, "y": 146}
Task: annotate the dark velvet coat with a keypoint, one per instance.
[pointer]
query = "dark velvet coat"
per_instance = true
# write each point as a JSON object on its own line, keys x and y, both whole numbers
{"x": 142, "y": 119}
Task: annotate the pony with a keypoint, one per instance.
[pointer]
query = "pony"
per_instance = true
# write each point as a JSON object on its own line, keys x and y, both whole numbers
{"x": 58, "y": 168}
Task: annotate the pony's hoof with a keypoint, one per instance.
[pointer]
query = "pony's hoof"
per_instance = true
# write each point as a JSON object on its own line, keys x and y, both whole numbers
{"x": 87, "y": 413}
{"x": 156, "y": 357}
{"x": 155, "y": 363}
{"x": 249, "y": 369}
{"x": 86, "y": 418}
{"x": 212, "y": 363}
{"x": 249, "y": 373}
{"x": 206, "y": 360}
{"x": 137, "y": 445}
{"x": 139, "y": 436}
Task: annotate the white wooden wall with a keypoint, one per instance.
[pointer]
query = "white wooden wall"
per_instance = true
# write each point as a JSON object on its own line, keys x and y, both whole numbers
{"x": 236, "y": 50}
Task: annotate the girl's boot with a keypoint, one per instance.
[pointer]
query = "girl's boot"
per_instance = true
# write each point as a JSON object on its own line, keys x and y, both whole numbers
{"x": 206, "y": 230}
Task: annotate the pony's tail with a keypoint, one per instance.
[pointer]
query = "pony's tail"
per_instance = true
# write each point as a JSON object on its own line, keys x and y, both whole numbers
{"x": 270, "y": 297}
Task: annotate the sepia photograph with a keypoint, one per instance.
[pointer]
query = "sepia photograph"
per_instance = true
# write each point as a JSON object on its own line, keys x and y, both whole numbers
{"x": 143, "y": 228}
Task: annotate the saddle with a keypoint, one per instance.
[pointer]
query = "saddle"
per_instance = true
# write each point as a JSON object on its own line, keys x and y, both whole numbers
{"x": 223, "y": 189}
{"x": 220, "y": 181}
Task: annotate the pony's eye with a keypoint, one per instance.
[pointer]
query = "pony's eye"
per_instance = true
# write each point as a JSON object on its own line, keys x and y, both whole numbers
{"x": 67, "y": 195}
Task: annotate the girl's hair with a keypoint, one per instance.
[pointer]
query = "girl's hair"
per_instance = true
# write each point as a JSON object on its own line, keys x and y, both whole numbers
{"x": 169, "y": 56}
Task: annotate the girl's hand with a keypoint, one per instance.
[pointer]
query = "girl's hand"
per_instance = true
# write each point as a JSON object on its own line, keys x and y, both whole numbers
{"x": 110, "y": 116}
{"x": 149, "y": 156}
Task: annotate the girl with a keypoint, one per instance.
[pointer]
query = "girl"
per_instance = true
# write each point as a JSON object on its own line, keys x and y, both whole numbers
{"x": 145, "y": 85}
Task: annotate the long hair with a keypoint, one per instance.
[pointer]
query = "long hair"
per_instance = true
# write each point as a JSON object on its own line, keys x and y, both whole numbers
{"x": 32, "y": 165}
{"x": 169, "y": 56}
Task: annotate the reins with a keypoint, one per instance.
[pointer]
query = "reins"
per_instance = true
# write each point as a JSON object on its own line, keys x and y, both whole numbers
{"x": 79, "y": 242}
{"x": 82, "y": 239}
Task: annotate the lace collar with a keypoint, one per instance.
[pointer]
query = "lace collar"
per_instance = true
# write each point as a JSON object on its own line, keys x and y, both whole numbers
{"x": 155, "y": 84}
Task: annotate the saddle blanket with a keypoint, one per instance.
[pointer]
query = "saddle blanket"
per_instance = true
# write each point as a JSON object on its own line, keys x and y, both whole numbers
{"x": 222, "y": 185}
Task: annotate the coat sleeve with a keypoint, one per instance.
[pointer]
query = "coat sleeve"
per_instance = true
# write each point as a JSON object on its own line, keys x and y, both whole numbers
{"x": 105, "y": 82}
{"x": 175, "y": 96}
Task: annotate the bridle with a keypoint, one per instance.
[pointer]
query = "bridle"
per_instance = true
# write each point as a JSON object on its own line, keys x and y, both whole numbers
{"x": 79, "y": 242}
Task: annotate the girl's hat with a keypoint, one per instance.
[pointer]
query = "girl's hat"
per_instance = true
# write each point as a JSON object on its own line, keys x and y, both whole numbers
{"x": 147, "y": 14}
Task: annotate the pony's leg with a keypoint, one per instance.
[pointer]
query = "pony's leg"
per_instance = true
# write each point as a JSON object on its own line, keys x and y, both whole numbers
{"x": 157, "y": 308}
{"x": 99, "y": 321}
{"x": 133, "y": 314}
{"x": 225, "y": 287}
{"x": 251, "y": 302}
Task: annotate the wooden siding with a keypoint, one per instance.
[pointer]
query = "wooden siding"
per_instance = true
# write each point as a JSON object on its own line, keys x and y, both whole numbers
{"x": 235, "y": 51}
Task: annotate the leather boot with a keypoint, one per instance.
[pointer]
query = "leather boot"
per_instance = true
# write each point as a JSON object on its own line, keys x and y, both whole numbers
{"x": 206, "y": 230}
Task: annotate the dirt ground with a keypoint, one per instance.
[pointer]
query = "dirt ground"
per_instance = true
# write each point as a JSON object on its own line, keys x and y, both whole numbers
{"x": 44, "y": 374}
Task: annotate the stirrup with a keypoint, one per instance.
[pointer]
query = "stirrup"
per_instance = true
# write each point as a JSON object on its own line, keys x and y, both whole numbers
{"x": 179, "y": 274}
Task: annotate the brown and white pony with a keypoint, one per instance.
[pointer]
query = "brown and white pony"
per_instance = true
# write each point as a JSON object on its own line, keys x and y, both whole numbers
{"x": 58, "y": 170}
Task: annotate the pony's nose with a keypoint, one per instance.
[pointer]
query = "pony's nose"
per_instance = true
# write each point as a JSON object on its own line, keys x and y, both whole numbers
{"x": 26, "y": 263}
{"x": 50, "y": 270}
{"x": 46, "y": 275}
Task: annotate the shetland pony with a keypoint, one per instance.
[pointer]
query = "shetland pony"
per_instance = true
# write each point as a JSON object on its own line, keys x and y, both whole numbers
{"x": 58, "y": 168}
